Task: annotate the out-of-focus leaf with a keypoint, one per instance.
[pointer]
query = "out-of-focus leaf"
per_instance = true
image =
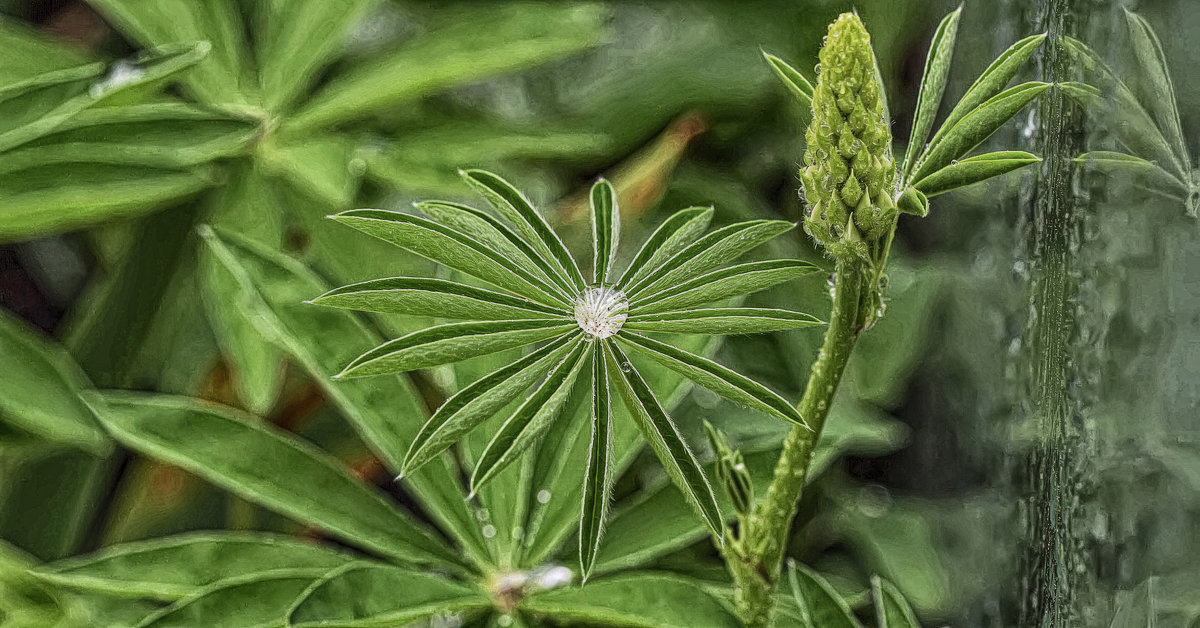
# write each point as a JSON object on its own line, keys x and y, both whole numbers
{"x": 793, "y": 80}
{"x": 24, "y": 601}
{"x": 1136, "y": 607}
{"x": 26, "y": 52}
{"x": 361, "y": 595}
{"x": 973, "y": 170}
{"x": 158, "y": 135}
{"x": 295, "y": 38}
{"x": 452, "y": 249}
{"x": 33, "y": 474}
{"x": 254, "y": 601}
{"x": 891, "y": 609}
{"x": 531, "y": 419}
{"x": 39, "y": 392}
{"x": 249, "y": 205}
{"x": 324, "y": 166}
{"x": 502, "y": 38}
{"x": 265, "y": 466}
{"x": 1153, "y": 174}
{"x": 989, "y": 84}
{"x": 820, "y": 604}
{"x": 715, "y": 377}
{"x": 634, "y": 600}
{"x": 744, "y": 320}
{"x": 177, "y": 567}
{"x": 50, "y": 199}
{"x": 221, "y": 79}
{"x": 933, "y": 84}
{"x": 664, "y": 438}
{"x": 386, "y": 411}
{"x": 1158, "y": 80}
{"x": 976, "y": 126}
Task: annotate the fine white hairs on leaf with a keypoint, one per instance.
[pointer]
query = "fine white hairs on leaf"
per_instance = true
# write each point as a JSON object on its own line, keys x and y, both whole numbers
{"x": 601, "y": 311}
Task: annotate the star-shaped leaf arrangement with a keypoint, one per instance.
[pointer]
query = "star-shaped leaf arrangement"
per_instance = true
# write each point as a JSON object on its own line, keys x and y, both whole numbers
{"x": 584, "y": 328}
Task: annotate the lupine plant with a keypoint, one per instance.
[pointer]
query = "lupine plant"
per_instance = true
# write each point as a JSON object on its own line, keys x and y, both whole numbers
{"x": 511, "y": 477}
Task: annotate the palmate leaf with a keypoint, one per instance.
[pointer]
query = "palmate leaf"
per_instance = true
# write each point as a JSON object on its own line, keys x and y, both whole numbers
{"x": 672, "y": 236}
{"x": 366, "y": 594}
{"x": 723, "y": 284}
{"x": 973, "y": 170}
{"x": 715, "y": 377}
{"x": 664, "y": 438}
{"x": 796, "y": 83}
{"x": 717, "y": 248}
{"x": 820, "y": 605}
{"x": 254, "y": 601}
{"x": 598, "y": 479}
{"x": 532, "y": 418}
{"x": 180, "y": 566}
{"x": 432, "y": 297}
{"x": 933, "y": 85}
{"x": 1112, "y": 162}
{"x": 606, "y": 230}
{"x": 453, "y": 342}
{"x": 891, "y": 609}
{"x": 476, "y": 403}
{"x": 452, "y": 249}
{"x": 746, "y": 320}
{"x": 1153, "y": 62}
{"x": 267, "y": 467}
{"x": 635, "y": 600}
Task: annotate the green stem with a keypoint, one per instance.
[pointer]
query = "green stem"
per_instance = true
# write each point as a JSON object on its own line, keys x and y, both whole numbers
{"x": 756, "y": 561}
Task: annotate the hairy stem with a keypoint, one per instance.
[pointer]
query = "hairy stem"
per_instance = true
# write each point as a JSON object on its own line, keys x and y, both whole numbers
{"x": 757, "y": 560}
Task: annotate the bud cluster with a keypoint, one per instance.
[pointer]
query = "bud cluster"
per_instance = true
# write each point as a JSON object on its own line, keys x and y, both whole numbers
{"x": 849, "y": 172}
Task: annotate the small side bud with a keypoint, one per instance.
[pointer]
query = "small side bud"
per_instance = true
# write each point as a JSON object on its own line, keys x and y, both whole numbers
{"x": 913, "y": 201}
{"x": 731, "y": 471}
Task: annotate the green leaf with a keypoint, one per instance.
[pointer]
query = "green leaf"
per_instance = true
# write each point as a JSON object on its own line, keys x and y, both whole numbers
{"x": 672, "y": 236}
{"x": 722, "y": 284}
{"x": 793, "y": 80}
{"x": 502, "y": 39}
{"x": 296, "y": 38}
{"x": 933, "y": 85}
{"x": 267, "y": 467}
{"x": 39, "y": 392}
{"x": 52, "y": 199}
{"x": 178, "y": 566}
{"x": 634, "y": 600}
{"x": 977, "y": 126}
{"x": 1158, "y": 80}
{"x": 158, "y": 135}
{"x": 820, "y": 605}
{"x": 606, "y": 230}
{"x": 664, "y": 438}
{"x": 1115, "y": 105}
{"x": 531, "y": 419}
{"x": 517, "y": 209}
{"x": 598, "y": 479}
{"x": 719, "y": 247}
{"x": 732, "y": 320}
{"x": 386, "y": 412}
{"x": 250, "y": 205}
{"x": 989, "y": 84}
{"x": 323, "y": 166}
{"x": 221, "y": 79}
{"x": 495, "y": 235}
{"x": 362, "y": 595}
{"x": 717, "y": 378}
{"x": 1112, "y": 162}
{"x": 418, "y": 296}
{"x": 253, "y": 601}
{"x": 453, "y": 342}
{"x": 26, "y": 52}
{"x": 451, "y": 249}
{"x": 973, "y": 170}
{"x": 891, "y": 609}
{"x": 37, "y": 106}
{"x": 473, "y": 405}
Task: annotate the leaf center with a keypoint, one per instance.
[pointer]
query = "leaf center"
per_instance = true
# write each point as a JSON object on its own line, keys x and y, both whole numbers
{"x": 601, "y": 311}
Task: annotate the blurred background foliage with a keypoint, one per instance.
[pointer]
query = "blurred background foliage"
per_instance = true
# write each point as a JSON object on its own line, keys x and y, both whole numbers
{"x": 299, "y": 109}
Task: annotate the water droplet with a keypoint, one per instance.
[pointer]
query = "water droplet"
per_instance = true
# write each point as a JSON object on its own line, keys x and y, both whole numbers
{"x": 543, "y": 496}
{"x": 489, "y": 531}
{"x": 504, "y": 620}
